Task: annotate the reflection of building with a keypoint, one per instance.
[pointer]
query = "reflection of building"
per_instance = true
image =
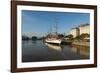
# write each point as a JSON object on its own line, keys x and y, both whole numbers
{"x": 85, "y": 28}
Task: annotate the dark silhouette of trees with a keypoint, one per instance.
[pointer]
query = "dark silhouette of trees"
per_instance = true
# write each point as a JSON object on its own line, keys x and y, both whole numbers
{"x": 34, "y": 38}
{"x": 60, "y": 35}
{"x": 25, "y": 37}
{"x": 83, "y": 36}
{"x": 70, "y": 36}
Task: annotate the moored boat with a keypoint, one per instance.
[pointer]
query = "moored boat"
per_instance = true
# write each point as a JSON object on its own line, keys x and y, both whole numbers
{"x": 53, "y": 41}
{"x": 54, "y": 37}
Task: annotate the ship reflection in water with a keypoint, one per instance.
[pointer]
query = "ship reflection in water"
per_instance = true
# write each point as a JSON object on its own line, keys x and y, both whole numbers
{"x": 36, "y": 51}
{"x": 54, "y": 47}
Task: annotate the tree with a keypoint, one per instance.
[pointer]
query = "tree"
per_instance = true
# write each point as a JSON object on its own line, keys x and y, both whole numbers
{"x": 25, "y": 37}
{"x": 70, "y": 36}
{"x": 84, "y": 35}
{"x": 60, "y": 35}
{"x": 34, "y": 38}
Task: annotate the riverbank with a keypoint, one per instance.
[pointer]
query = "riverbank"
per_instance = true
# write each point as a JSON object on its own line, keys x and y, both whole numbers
{"x": 81, "y": 43}
{"x": 76, "y": 43}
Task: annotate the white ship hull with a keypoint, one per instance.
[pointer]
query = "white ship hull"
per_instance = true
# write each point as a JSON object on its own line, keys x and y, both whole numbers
{"x": 54, "y": 41}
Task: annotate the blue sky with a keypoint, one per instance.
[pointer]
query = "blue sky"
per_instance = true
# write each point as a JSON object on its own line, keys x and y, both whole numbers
{"x": 39, "y": 23}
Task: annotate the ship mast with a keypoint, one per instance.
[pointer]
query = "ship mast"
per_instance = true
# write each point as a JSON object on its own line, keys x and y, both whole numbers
{"x": 56, "y": 26}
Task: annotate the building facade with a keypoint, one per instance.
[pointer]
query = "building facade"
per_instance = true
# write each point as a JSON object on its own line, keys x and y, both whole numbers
{"x": 85, "y": 28}
{"x": 74, "y": 32}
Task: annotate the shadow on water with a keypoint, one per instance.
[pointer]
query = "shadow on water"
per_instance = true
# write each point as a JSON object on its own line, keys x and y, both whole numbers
{"x": 36, "y": 51}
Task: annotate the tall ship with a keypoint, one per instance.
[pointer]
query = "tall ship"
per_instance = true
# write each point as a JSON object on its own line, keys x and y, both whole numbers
{"x": 54, "y": 37}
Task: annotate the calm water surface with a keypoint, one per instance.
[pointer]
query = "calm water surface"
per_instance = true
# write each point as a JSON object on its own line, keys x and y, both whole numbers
{"x": 35, "y": 51}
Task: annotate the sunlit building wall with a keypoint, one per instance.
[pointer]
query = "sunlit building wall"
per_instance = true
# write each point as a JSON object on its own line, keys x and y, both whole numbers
{"x": 74, "y": 32}
{"x": 84, "y": 29}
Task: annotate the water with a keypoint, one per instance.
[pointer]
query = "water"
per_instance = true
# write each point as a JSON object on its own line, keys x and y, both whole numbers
{"x": 36, "y": 51}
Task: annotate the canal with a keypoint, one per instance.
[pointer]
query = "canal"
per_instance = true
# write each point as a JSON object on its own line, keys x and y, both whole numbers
{"x": 36, "y": 51}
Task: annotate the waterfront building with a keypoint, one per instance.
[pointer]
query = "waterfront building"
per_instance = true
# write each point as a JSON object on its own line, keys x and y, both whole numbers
{"x": 74, "y": 32}
{"x": 82, "y": 29}
{"x": 85, "y": 28}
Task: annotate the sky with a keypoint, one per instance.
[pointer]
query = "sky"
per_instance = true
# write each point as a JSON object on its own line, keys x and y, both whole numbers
{"x": 39, "y": 23}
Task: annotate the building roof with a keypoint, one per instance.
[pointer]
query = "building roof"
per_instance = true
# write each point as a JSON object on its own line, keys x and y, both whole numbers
{"x": 83, "y": 25}
{"x": 75, "y": 28}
